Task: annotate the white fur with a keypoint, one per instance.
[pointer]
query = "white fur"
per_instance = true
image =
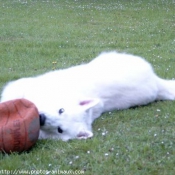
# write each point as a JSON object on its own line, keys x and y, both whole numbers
{"x": 112, "y": 81}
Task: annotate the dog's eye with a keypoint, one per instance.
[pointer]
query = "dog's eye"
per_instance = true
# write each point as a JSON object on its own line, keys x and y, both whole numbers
{"x": 61, "y": 111}
{"x": 60, "y": 130}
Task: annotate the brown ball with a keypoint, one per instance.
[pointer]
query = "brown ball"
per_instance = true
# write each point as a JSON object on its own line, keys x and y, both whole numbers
{"x": 19, "y": 125}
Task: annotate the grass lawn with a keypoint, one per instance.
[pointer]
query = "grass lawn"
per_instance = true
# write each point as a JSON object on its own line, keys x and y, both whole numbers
{"x": 41, "y": 35}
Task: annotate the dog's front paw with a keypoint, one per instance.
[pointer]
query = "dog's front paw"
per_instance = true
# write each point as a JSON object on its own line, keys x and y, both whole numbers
{"x": 84, "y": 135}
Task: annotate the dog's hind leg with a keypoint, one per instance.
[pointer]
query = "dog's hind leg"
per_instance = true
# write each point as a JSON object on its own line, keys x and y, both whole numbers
{"x": 166, "y": 89}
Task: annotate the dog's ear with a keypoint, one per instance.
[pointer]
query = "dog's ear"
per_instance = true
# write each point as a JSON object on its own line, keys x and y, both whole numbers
{"x": 89, "y": 103}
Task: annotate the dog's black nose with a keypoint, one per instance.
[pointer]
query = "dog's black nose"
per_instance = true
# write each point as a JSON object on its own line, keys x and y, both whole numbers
{"x": 42, "y": 119}
{"x": 60, "y": 130}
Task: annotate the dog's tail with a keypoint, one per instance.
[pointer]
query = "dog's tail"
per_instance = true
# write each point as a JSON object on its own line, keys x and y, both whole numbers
{"x": 166, "y": 89}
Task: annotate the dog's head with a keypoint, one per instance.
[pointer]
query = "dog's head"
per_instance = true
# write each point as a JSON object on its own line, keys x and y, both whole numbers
{"x": 70, "y": 121}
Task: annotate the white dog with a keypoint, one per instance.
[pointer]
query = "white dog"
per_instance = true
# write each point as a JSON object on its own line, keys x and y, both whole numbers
{"x": 70, "y": 100}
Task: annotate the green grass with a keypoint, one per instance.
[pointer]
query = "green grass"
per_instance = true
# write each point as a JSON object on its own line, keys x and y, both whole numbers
{"x": 41, "y": 35}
